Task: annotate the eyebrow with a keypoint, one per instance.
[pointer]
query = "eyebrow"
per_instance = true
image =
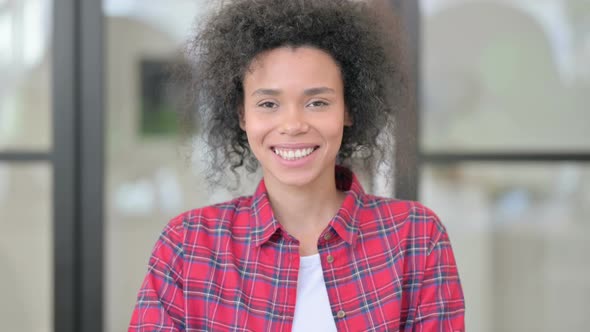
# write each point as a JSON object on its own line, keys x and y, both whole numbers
{"x": 307, "y": 92}
{"x": 318, "y": 91}
{"x": 267, "y": 92}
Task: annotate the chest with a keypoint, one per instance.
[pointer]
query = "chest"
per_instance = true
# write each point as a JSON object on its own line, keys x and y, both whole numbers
{"x": 255, "y": 288}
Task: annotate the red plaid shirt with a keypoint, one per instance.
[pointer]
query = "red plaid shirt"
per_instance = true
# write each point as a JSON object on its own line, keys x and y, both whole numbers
{"x": 388, "y": 266}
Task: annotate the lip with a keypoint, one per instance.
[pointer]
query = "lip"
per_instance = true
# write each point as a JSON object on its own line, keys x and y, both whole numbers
{"x": 295, "y": 146}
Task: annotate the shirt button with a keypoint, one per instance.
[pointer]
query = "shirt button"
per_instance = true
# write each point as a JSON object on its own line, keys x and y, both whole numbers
{"x": 341, "y": 314}
{"x": 327, "y": 236}
{"x": 330, "y": 259}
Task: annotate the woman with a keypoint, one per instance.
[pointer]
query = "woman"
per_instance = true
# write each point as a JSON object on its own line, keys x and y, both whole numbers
{"x": 297, "y": 87}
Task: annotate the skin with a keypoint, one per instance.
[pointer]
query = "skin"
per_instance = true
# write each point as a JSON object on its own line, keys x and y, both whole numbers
{"x": 294, "y": 100}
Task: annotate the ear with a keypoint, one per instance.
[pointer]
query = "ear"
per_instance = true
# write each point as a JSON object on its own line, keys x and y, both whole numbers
{"x": 347, "y": 118}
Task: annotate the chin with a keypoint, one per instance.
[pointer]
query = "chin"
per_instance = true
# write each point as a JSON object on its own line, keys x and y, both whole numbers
{"x": 299, "y": 178}
{"x": 296, "y": 180}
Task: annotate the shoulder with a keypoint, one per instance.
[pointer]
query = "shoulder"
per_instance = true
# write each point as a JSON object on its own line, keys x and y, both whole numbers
{"x": 215, "y": 218}
{"x": 399, "y": 210}
{"x": 402, "y": 218}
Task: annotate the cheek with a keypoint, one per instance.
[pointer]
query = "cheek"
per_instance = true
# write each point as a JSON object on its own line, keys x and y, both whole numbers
{"x": 255, "y": 142}
{"x": 335, "y": 129}
{"x": 256, "y": 129}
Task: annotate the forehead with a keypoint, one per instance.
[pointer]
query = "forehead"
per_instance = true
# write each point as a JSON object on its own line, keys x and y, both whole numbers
{"x": 283, "y": 65}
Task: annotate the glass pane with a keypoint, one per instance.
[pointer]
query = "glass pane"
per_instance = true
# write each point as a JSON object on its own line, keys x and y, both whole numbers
{"x": 25, "y": 68}
{"x": 505, "y": 75}
{"x": 520, "y": 234}
{"x": 26, "y": 248}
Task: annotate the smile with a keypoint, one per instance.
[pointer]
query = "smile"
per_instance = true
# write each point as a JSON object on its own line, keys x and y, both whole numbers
{"x": 293, "y": 154}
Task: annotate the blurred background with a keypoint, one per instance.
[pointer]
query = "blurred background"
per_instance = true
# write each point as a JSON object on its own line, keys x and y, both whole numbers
{"x": 92, "y": 166}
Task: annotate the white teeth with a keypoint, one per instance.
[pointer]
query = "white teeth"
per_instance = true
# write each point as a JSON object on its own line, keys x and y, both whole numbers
{"x": 294, "y": 154}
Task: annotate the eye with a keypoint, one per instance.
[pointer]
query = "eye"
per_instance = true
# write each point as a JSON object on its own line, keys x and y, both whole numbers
{"x": 318, "y": 103}
{"x": 268, "y": 104}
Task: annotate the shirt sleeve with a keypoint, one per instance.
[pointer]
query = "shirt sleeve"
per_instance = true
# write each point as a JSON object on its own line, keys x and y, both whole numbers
{"x": 160, "y": 303}
{"x": 441, "y": 305}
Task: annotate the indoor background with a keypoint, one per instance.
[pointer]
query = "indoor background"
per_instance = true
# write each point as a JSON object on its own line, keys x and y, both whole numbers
{"x": 501, "y": 142}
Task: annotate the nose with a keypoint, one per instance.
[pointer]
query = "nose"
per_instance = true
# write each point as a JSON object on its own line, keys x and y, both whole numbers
{"x": 293, "y": 122}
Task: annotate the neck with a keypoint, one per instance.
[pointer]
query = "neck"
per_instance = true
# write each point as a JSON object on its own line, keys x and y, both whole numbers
{"x": 304, "y": 212}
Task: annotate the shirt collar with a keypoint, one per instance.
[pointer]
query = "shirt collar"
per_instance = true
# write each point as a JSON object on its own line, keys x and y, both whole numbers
{"x": 264, "y": 224}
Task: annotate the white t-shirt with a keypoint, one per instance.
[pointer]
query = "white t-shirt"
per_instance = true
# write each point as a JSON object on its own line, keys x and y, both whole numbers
{"x": 312, "y": 309}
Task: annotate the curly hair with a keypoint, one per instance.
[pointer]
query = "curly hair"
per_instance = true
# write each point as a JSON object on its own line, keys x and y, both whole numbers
{"x": 365, "y": 44}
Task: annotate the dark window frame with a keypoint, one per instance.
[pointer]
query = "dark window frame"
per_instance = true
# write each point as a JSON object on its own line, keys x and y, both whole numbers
{"x": 78, "y": 161}
{"x": 17, "y": 156}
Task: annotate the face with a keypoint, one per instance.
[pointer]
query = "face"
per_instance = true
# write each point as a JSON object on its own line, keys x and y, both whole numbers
{"x": 294, "y": 114}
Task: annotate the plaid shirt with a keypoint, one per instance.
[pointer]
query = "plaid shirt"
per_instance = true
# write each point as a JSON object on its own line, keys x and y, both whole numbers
{"x": 388, "y": 266}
